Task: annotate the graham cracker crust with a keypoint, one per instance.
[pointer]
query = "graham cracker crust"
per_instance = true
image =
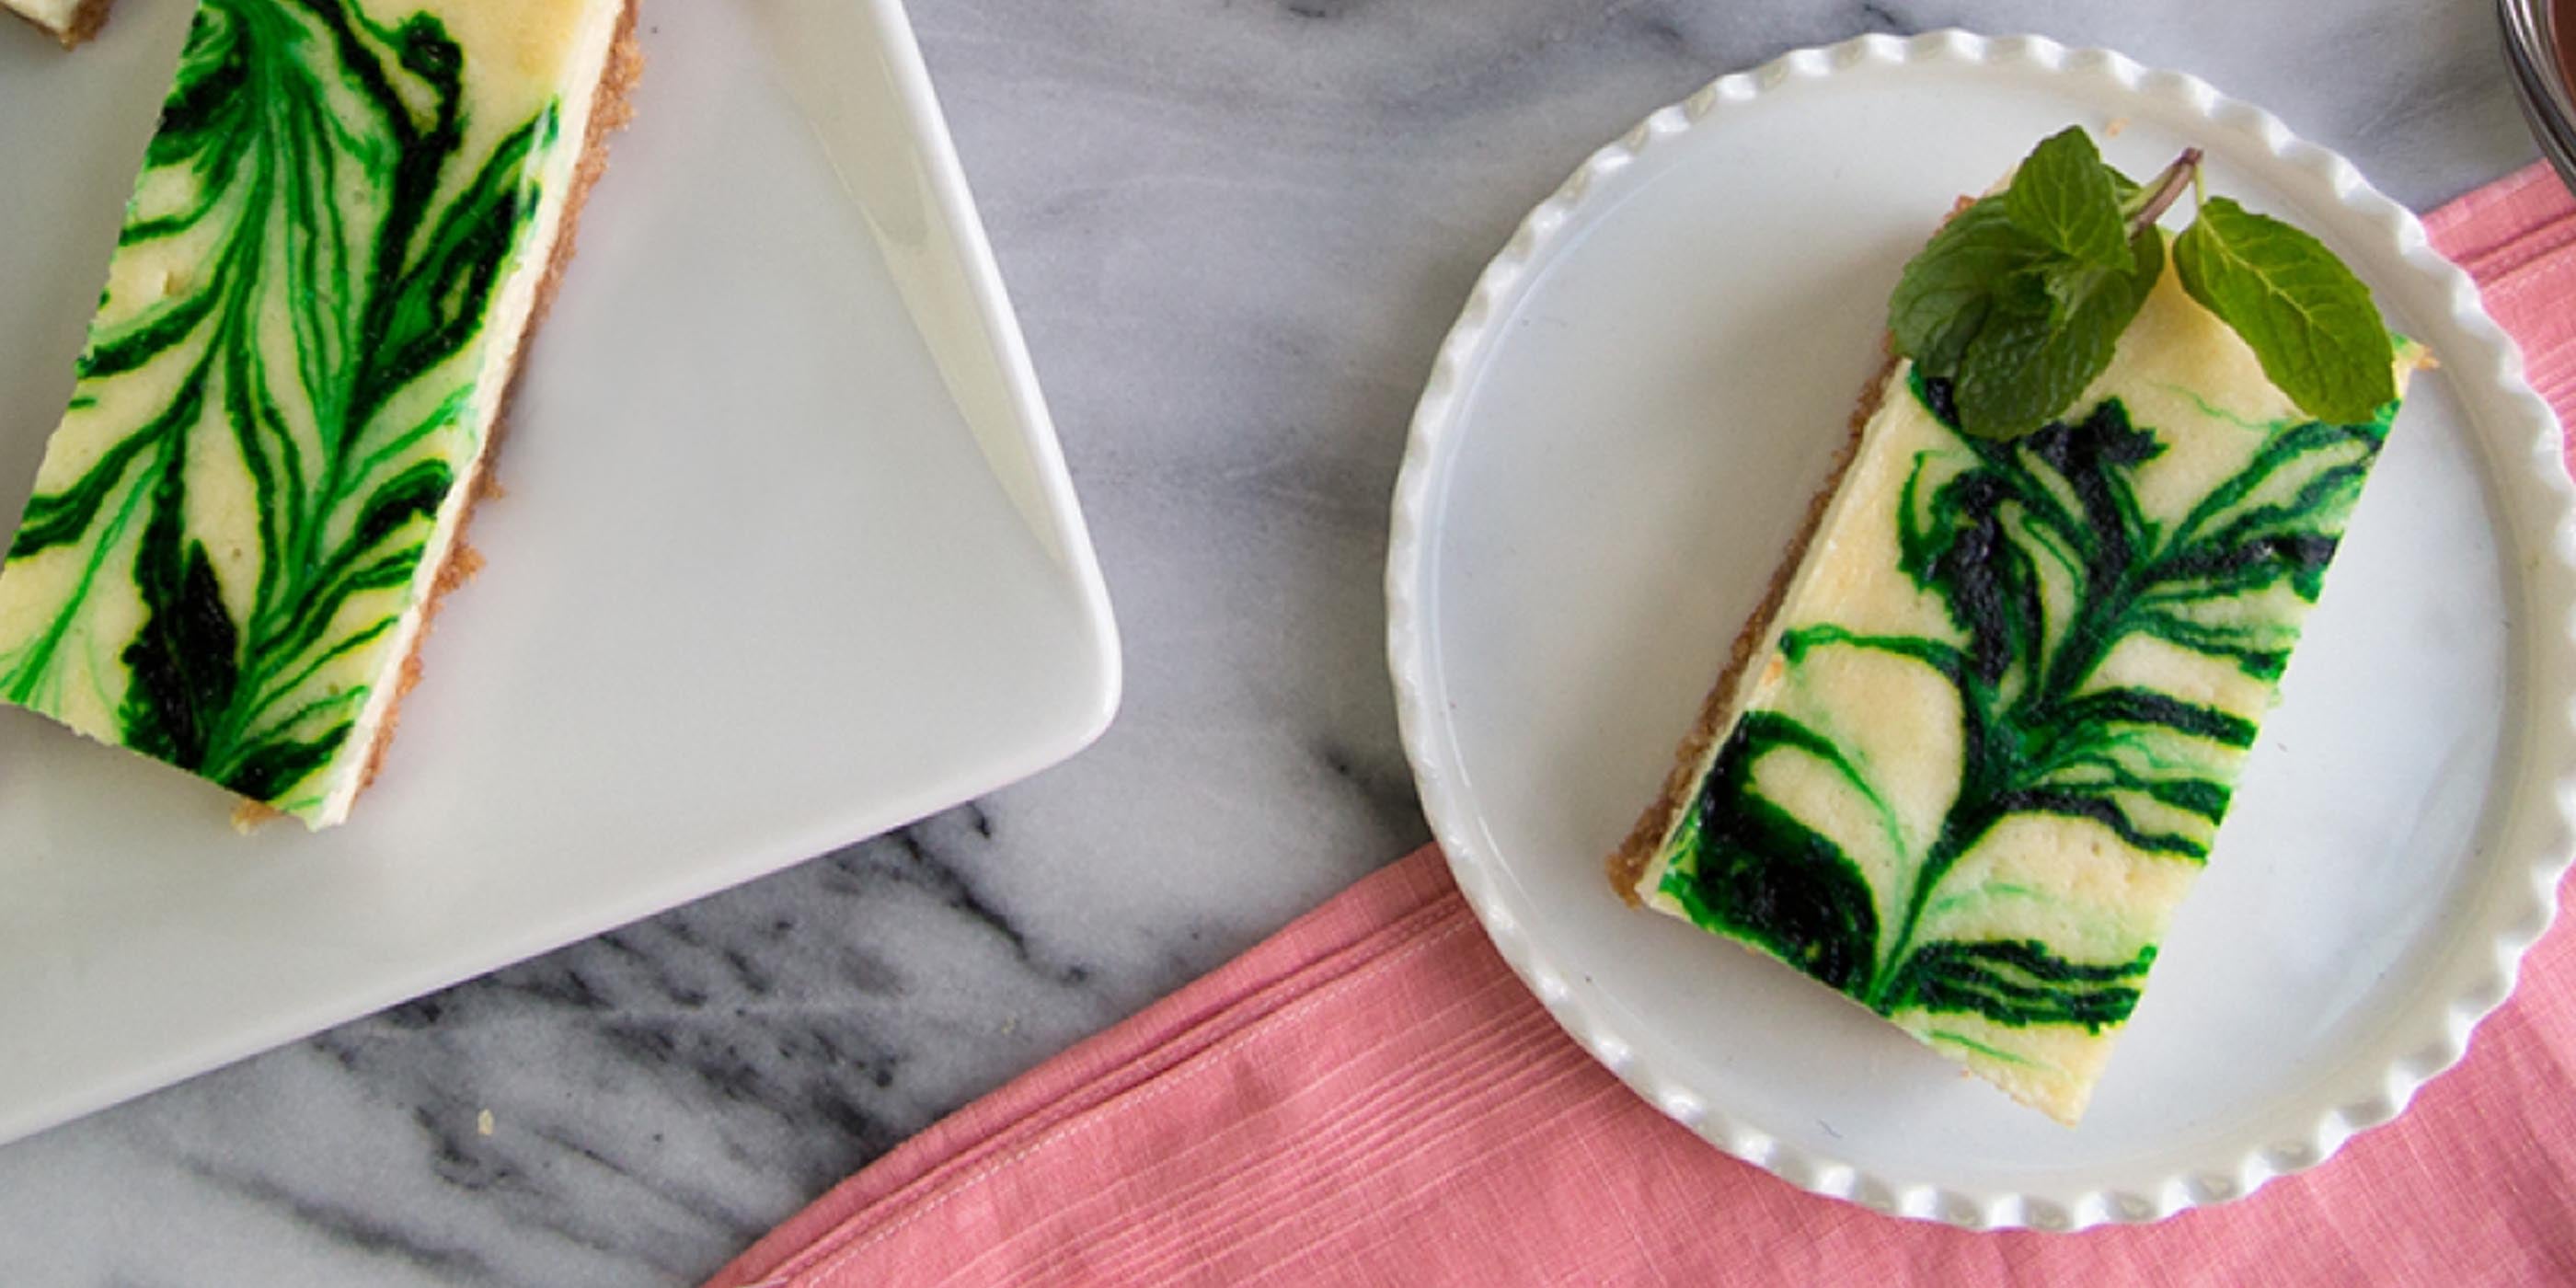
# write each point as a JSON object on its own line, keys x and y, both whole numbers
{"x": 610, "y": 112}
{"x": 85, "y": 23}
{"x": 1627, "y": 865}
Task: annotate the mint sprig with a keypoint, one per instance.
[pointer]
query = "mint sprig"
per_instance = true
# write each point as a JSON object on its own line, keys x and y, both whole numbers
{"x": 2018, "y": 303}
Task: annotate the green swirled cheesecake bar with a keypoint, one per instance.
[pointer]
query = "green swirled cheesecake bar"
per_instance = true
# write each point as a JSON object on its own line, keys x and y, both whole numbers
{"x": 349, "y": 218}
{"x": 1975, "y": 749}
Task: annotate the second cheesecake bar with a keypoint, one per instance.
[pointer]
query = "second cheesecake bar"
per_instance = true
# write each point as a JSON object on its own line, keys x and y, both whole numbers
{"x": 1972, "y": 757}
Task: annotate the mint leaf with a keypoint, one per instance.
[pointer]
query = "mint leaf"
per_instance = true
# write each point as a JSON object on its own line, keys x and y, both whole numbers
{"x": 2023, "y": 368}
{"x": 2308, "y": 319}
{"x": 1951, "y": 285}
{"x": 2063, "y": 195}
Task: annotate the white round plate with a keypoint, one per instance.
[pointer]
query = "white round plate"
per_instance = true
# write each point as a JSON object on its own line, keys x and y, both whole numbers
{"x": 1622, "y": 434}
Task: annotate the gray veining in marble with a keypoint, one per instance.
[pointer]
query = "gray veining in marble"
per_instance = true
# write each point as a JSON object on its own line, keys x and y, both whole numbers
{"x": 1235, "y": 230}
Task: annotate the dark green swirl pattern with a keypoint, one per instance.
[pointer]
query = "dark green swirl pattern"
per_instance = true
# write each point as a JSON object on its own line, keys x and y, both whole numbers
{"x": 277, "y": 398}
{"x": 2044, "y": 561}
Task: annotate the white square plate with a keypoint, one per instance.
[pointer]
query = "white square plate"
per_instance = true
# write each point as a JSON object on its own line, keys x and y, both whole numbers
{"x": 788, "y": 557}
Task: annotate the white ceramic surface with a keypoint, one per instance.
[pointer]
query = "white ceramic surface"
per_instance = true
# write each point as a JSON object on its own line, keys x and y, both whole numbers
{"x": 1622, "y": 433}
{"x": 788, "y": 557}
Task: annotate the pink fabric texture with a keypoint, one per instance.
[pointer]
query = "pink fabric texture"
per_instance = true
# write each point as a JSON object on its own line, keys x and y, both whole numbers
{"x": 1370, "y": 1097}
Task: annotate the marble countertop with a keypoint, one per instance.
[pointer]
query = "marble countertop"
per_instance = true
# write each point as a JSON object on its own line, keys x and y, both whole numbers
{"x": 1235, "y": 230}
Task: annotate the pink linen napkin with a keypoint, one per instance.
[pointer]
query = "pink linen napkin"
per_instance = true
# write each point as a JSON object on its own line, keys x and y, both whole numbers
{"x": 1371, "y": 1097}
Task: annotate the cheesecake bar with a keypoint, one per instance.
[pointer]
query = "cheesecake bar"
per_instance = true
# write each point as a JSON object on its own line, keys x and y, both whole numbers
{"x": 348, "y": 220}
{"x": 69, "y": 21}
{"x": 1975, "y": 749}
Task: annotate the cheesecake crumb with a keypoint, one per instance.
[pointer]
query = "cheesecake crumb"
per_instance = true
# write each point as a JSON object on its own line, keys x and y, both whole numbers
{"x": 251, "y": 816}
